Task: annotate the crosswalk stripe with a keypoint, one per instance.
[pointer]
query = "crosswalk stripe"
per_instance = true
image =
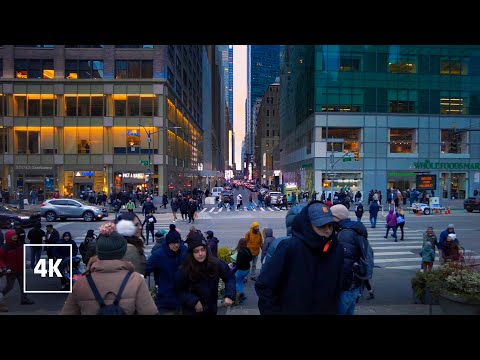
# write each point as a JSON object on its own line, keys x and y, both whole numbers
{"x": 212, "y": 209}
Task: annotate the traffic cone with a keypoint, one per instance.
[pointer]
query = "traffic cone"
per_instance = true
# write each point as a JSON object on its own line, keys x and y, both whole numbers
{"x": 419, "y": 213}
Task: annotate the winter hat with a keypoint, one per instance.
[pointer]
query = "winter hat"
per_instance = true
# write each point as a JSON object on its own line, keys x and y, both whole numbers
{"x": 452, "y": 236}
{"x": 9, "y": 234}
{"x": 209, "y": 233}
{"x": 110, "y": 244}
{"x": 196, "y": 239}
{"x": 450, "y": 226}
{"x": 170, "y": 238}
{"x": 255, "y": 224}
{"x": 160, "y": 233}
{"x": 340, "y": 212}
{"x": 126, "y": 228}
{"x": 90, "y": 233}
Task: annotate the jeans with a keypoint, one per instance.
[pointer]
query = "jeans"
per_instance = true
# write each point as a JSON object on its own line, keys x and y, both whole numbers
{"x": 35, "y": 255}
{"x": 240, "y": 275}
{"x": 373, "y": 221}
{"x": 348, "y": 300}
{"x": 254, "y": 265}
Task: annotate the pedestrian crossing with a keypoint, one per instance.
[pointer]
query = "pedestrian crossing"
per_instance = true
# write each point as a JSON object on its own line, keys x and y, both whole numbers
{"x": 403, "y": 254}
{"x": 217, "y": 210}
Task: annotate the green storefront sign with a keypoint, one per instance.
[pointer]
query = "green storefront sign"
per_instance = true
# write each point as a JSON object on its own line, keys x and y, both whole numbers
{"x": 401, "y": 174}
{"x": 427, "y": 165}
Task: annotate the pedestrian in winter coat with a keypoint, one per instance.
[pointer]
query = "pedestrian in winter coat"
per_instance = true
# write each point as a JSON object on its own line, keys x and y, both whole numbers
{"x": 391, "y": 223}
{"x": 159, "y": 240}
{"x": 212, "y": 243}
{"x": 164, "y": 263}
{"x": 428, "y": 256}
{"x": 63, "y": 252}
{"x": 351, "y": 236}
{"x": 268, "y": 239}
{"x": 11, "y": 266}
{"x": 149, "y": 225}
{"x": 242, "y": 263}
{"x": 88, "y": 246}
{"x": 373, "y": 212}
{"x": 36, "y": 236}
{"x": 254, "y": 243}
{"x": 108, "y": 272}
{"x": 359, "y": 211}
{"x": 304, "y": 276}
{"x": 130, "y": 227}
{"x": 196, "y": 282}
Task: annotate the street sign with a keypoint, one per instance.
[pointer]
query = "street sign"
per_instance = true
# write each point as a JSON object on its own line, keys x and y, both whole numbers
{"x": 144, "y": 162}
{"x": 345, "y": 159}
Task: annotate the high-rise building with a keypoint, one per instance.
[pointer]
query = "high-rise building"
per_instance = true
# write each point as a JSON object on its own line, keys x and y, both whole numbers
{"x": 230, "y": 85}
{"x": 263, "y": 66}
{"x": 408, "y": 110}
{"x": 100, "y": 118}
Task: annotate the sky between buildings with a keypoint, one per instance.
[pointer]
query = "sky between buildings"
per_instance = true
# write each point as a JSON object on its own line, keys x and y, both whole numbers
{"x": 239, "y": 96}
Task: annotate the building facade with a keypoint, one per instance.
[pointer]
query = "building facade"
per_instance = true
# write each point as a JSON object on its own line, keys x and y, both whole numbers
{"x": 107, "y": 118}
{"x": 263, "y": 67}
{"x": 267, "y": 137}
{"x": 408, "y": 110}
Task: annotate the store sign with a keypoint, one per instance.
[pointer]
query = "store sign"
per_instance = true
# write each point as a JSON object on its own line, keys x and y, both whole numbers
{"x": 132, "y": 175}
{"x": 426, "y": 182}
{"x": 277, "y": 172}
{"x": 427, "y": 165}
{"x": 401, "y": 174}
{"x": 84, "y": 173}
{"x": 33, "y": 167}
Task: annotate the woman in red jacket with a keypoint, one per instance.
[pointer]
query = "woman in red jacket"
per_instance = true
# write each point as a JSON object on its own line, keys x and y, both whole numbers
{"x": 11, "y": 266}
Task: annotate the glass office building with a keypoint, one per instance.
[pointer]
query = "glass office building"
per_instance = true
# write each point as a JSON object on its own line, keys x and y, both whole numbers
{"x": 408, "y": 110}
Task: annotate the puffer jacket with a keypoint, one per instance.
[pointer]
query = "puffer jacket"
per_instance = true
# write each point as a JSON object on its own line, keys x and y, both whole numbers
{"x": 108, "y": 276}
{"x": 11, "y": 254}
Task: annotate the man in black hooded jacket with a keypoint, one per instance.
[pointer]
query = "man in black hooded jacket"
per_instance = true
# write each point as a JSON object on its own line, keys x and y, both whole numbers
{"x": 304, "y": 276}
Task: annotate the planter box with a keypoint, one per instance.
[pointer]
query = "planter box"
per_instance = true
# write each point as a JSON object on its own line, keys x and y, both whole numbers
{"x": 456, "y": 305}
{"x": 429, "y": 298}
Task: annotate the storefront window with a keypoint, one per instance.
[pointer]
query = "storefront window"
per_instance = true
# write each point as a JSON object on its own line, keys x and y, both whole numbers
{"x": 453, "y": 185}
{"x": 403, "y": 141}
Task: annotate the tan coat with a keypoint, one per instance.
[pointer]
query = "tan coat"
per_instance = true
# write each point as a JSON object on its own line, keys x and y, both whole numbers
{"x": 138, "y": 260}
{"x": 108, "y": 276}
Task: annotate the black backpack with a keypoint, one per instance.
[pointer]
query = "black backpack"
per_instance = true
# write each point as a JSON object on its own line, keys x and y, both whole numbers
{"x": 114, "y": 308}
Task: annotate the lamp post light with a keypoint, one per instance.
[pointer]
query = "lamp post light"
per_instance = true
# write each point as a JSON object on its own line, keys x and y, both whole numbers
{"x": 149, "y": 141}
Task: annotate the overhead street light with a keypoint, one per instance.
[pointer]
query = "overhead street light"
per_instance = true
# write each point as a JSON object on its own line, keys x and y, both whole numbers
{"x": 149, "y": 140}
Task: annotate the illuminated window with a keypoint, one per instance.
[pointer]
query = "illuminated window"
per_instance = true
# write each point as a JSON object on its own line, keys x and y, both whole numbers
{"x": 402, "y": 141}
{"x": 452, "y": 106}
{"x": 453, "y": 141}
{"x": 453, "y": 65}
{"x": 349, "y": 64}
{"x": 34, "y": 69}
{"x": 342, "y": 139}
{"x": 34, "y": 105}
{"x": 93, "y": 105}
{"x": 27, "y": 141}
{"x": 402, "y": 64}
{"x": 3, "y": 140}
{"x": 83, "y": 69}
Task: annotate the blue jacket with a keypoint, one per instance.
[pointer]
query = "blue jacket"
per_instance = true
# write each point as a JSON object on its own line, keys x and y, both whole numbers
{"x": 62, "y": 252}
{"x": 164, "y": 264}
{"x": 301, "y": 278}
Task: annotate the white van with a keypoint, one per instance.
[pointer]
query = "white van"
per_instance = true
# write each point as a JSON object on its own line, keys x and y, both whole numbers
{"x": 217, "y": 191}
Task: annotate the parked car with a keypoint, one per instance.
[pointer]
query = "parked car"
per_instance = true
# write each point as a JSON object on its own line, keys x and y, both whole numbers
{"x": 11, "y": 216}
{"x": 53, "y": 209}
{"x": 472, "y": 203}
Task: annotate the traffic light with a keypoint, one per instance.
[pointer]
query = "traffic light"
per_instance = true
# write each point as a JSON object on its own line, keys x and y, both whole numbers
{"x": 356, "y": 152}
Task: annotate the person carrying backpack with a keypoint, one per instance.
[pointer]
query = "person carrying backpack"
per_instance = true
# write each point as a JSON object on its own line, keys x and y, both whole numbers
{"x": 113, "y": 278}
{"x": 358, "y": 258}
{"x": 359, "y": 210}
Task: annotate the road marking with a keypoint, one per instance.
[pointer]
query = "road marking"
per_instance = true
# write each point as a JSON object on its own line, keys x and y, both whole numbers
{"x": 204, "y": 209}
{"x": 212, "y": 209}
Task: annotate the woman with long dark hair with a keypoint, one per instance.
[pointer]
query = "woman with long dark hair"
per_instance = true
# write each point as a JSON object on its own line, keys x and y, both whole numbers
{"x": 196, "y": 282}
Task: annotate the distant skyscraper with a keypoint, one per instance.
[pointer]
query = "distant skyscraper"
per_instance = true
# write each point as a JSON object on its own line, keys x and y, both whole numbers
{"x": 230, "y": 83}
{"x": 262, "y": 69}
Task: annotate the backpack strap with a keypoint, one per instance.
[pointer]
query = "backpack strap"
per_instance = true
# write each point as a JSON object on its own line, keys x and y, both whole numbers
{"x": 99, "y": 298}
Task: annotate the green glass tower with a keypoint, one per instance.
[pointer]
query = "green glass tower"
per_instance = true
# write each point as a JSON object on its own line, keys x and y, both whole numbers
{"x": 405, "y": 109}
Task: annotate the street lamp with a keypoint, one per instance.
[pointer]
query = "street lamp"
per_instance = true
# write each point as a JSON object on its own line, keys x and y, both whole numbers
{"x": 149, "y": 140}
